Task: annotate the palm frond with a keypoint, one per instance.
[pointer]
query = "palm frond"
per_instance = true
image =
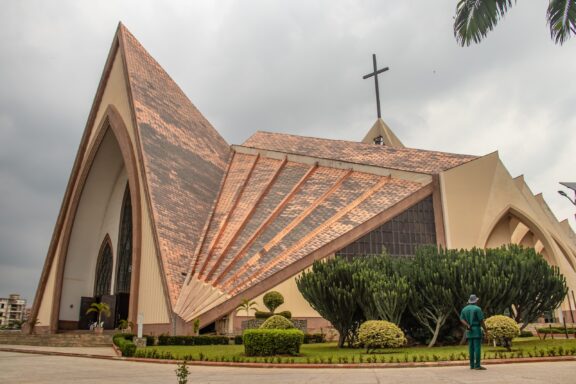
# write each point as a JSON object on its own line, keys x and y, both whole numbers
{"x": 475, "y": 18}
{"x": 561, "y": 17}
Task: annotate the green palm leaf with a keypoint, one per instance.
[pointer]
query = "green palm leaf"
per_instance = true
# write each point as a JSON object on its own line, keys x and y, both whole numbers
{"x": 561, "y": 17}
{"x": 475, "y": 18}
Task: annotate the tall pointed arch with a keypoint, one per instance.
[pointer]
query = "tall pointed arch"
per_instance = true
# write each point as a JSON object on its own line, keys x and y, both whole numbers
{"x": 516, "y": 215}
{"x": 103, "y": 275}
{"x": 111, "y": 121}
{"x": 124, "y": 259}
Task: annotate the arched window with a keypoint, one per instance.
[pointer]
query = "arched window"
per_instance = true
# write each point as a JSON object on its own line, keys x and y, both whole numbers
{"x": 124, "y": 269}
{"x": 103, "y": 278}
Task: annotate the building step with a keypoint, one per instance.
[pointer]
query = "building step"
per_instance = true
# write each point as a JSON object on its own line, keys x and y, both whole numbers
{"x": 57, "y": 340}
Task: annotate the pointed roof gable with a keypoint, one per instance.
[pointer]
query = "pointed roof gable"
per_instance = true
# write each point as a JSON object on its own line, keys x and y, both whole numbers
{"x": 183, "y": 157}
{"x": 380, "y": 128}
{"x": 404, "y": 159}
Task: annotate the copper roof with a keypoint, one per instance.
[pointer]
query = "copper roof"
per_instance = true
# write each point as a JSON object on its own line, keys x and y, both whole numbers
{"x": 184, "y": 159}
{"x": 272, "y": 213}
{"x": 404, "y": 159}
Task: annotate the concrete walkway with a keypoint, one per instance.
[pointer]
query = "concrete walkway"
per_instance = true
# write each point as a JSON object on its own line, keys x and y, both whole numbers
{"x": 88, "y": 351}
{"x": 31, "y": 369}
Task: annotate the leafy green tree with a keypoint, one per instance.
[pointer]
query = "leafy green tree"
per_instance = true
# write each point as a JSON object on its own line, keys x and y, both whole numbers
{"x": 433, "y": 302}
{"x": 475, "y": 18}
{"x": 541, "y": 287}
{"x": 273, "y": 300}
{"x": 328, "y": 287}
{"x": 488, "y": 273}
{"x": 382, "y": 286}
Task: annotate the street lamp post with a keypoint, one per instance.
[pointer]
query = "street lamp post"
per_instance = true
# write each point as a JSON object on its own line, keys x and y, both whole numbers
{"x": 572, "y": 186}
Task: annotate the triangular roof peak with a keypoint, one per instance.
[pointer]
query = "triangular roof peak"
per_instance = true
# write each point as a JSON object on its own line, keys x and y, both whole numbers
{"x": 380, "y": 131}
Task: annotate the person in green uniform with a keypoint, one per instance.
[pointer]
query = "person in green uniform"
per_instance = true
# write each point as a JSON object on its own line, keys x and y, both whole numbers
{"x": 472, "y": 318}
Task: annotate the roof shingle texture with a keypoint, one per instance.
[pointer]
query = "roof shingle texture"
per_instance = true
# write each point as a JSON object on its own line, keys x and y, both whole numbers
{"x": 184, "y": 159}
{"x": 404, "y": 159}
{"x": 272, "y": 213}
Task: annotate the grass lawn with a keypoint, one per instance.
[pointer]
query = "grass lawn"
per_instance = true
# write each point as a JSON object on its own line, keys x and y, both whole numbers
{"x": 329, "y": 353}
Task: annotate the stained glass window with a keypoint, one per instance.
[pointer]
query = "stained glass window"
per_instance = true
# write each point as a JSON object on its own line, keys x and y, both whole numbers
{"x": 124, "y": 269}
{"x": 400, "y": 236}
{"x": 103, "y": 270}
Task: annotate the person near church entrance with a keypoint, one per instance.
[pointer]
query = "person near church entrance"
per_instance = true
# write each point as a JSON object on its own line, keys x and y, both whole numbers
{"x": 472, "y": 318}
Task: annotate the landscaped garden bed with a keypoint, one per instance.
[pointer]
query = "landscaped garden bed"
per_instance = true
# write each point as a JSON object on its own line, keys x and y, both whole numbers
{"x": 329, "y": 353}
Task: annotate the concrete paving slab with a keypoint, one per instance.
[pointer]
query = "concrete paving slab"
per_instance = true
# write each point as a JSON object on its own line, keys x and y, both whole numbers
{"x": 91, "y": 351}
{"x": 33, "y": 369}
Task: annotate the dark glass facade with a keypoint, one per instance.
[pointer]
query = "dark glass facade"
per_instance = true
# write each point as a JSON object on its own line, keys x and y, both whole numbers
{"x": 124, "y": 269}
{"x": 400, "y": 236}
{"x": 103, "y": 270}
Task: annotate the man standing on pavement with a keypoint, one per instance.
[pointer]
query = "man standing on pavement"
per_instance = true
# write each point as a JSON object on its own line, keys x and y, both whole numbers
{"x": 472, "y": 318}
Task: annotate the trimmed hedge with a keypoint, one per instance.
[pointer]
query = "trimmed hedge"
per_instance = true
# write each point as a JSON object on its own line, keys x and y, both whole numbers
{"x": 526, "y": 334}
{"x": 126, "y": 346}
{"x": 269, "y": 342}
{"x": 193, "y": 340}
{"x": 265, "y": 315}
{"x": 238, "y": 340}
{"x": 313, "y": 338}
{"x": 150, "y": 340}
{"x": 556, "y": 330}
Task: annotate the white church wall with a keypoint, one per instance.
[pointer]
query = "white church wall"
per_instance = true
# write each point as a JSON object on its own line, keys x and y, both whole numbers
{"x": 111, "y": 223}
{"x": 48, "y": 295}
{"x": 115, "y": 94}
{"x": 151, "y": 296}
{"x": 84, "y": 244}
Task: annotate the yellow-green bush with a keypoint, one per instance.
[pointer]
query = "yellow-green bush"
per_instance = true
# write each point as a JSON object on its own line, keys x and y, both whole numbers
{"x": 375, "y": 334}
{"x": 277, "y": 322}
{"x": 502, "y": 329}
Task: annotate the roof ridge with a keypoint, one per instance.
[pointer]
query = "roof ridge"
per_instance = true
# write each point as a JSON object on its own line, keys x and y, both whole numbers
{"x": 366, "y": 145}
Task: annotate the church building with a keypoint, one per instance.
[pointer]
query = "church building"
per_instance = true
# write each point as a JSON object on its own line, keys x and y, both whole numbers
{"x": 167, "y": 222}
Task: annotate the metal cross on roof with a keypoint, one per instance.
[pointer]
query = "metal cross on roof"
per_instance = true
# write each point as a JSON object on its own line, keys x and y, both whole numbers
{"x": 375, "y": 74}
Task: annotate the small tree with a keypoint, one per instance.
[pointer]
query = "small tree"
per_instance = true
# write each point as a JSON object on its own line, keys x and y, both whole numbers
{"x": 182, "y": 373}
{"x": 196, "y": 326}
{"x": 329, "y": 289}
{"x": 125, "y": 325}
{"x": 247, "y": 306}
{"x": 273, "y": 300}
{"x": 100, "y": 309}
{"x": 541, "y": 287}
{"x": 433, "y": 302}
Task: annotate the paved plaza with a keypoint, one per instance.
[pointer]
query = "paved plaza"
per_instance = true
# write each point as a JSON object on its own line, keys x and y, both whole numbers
{"x": 32, "y": 368}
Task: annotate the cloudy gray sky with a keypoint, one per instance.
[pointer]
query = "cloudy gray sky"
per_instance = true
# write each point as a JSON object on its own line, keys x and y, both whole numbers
{"x": 291, "y": 66}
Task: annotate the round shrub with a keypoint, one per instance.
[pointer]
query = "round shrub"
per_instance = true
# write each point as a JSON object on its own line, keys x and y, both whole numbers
{"x": 502, "y": 329}
{"x": 376, "y": 334}
{"x": 277, "y": 322}
{"x": 286, "y": 314}
{"x": 273, "y": 300}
